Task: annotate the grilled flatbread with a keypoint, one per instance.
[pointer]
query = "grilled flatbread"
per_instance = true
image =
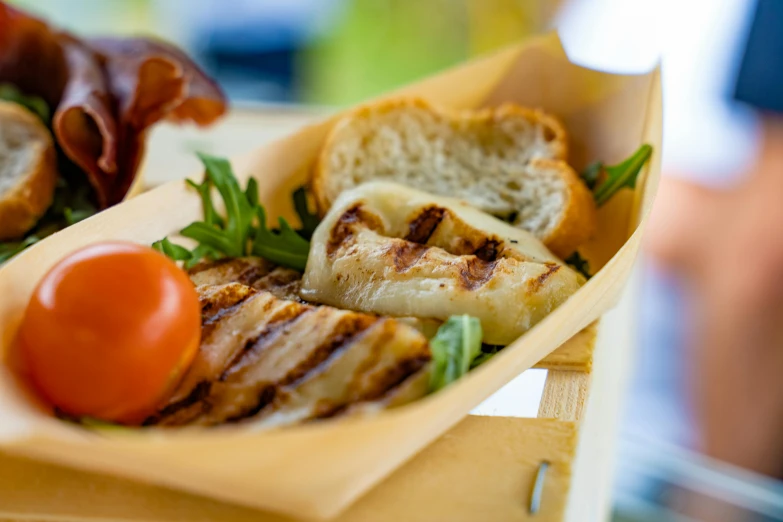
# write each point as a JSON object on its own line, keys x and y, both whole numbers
{"x": 388, "y": 249}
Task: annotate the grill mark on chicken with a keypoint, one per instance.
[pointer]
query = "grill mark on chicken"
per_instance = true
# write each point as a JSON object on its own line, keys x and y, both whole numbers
{"x": 251, "y": 275}
{"x": 256, "y": 273}
{"x": 534, "y": 285}
{"x": 265, "y": 397}
{"x": 283, "y": 283}
{"x": 346, "y": 331}
{"x": 284, "y": 317}
{"x": 372, "y": 382}
{"x": 325, "y": 409}
{"x": 389, "y": 383}
{"x": 390, "y": 378}
{"x": 206, "y": 265}
{"x": 199, "y": 393}
{"x": 474, "y": 272}
{"x": 254, "y": 376}
{"x": 406, "y": 254}
{"x": 225, "y": 303}
{"x": 375, "y": 352}
{"x": 345, "y": 227}
{"x": 216, "y": 304}
{"x": 421, "y": 228}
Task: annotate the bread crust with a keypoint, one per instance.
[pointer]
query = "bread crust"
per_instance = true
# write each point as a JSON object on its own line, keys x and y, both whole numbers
{"x": 27, "y": 200}
{"x": 324, "y": 196}
{"x": 578, "y": 219}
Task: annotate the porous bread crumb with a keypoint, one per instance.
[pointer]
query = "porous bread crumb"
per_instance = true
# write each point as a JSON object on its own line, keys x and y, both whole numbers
{"x": 492, "y": 159}
{"x": 28, "y": 170}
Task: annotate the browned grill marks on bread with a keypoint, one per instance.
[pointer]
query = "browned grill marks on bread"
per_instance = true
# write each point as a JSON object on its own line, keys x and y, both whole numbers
{"x": 423, "y": 226}
{"x": 344, "y": 229}
{"x": 474, "y": 272}
{"x": 534, "y": 285}
{"x": 405, "y": 254}
{"x": 490, "y": 250}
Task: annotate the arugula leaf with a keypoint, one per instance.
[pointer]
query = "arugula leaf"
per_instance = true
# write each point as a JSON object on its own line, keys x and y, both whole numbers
{"x": 10, "y": 249}
{"x": 201, "y": 252}
{"x": 310, "y": 221}
{"x": 454, "y": 347}
{"x": 251, "y": 192}
{"x": 74, "y": 216}
{"x": 88, "y": 422}
{"x": 487, "y": 352}
{"x": 244, "y": 229}
{"x": 239, "y": 211}
{"x": 70, "y": 205}
{"x": 175, "y": 252}
{"x": 591, "y": 174}
{"x": 617, "y": 176}
{"x": 34, "y": 104}
{"x": 211, "y": 217}
{"x": 98, "y": 424}
{"x": 286, "y": 248}
{"x": 213, "y": 238}
{"x": 580, "y": 264}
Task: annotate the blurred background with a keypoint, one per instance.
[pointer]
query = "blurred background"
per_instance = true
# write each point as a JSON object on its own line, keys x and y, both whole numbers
{"x": 307, "y": 56}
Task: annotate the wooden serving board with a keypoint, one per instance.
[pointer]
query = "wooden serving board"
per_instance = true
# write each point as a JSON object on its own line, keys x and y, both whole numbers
{"x": 485, "y": 468}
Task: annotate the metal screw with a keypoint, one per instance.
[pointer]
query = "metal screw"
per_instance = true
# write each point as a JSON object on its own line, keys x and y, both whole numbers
{"x": 538, "y": 488}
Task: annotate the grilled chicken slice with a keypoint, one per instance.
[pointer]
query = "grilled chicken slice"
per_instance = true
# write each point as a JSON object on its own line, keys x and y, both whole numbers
{"x": 254, "y": 272}
{"x": 284, "y": 283}
{"x": 279, "y": 362}
{"x": 388, "y": 249}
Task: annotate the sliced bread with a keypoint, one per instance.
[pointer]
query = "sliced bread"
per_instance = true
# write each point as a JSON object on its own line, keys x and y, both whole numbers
{"x": 508, "y": 162}
{"x": 28, "y": 170}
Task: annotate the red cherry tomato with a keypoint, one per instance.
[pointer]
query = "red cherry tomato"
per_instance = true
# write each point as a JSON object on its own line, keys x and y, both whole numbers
{"x": 109, "y": 331}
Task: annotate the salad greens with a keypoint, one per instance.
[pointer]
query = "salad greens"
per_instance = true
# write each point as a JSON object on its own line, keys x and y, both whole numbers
{"x": 487, "y": 352}
{"x": 286, "y": 247}
{"x": 34, "y": 104}
{"x": 72, "y": 195}
{"x": 615, "y": 177}
{"x": 578, "y": 263}
{"x": 606, "y": 181}
{"x": 454, "y": 348}
{"x": 70, "y": 205}
{"x": 310, "y": 220}
{"x": 243, "y": 230}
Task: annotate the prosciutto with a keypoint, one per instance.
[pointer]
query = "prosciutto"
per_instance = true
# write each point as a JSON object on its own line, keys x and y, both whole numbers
{"x": 105, "y": 94}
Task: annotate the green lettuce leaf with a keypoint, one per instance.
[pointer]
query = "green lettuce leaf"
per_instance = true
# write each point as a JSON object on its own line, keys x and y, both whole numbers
{"x": 454, "y": 347}
{"x": 34, "y": 104}
{"x": 243, "y": 230}
{"x": 616, "y": 177}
